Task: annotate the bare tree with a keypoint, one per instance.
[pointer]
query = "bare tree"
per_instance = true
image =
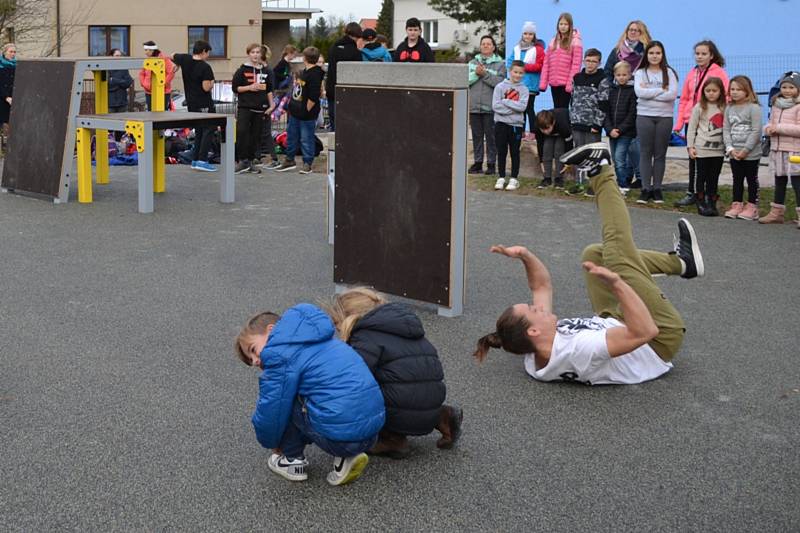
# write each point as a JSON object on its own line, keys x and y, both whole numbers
{"x": 33, "y": 21}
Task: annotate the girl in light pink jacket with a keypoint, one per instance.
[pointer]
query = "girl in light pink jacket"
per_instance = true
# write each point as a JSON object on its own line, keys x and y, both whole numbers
{"x": 709, "y": 64}
{"x": 784, "y": 135}
{"x": 562, "y": 61}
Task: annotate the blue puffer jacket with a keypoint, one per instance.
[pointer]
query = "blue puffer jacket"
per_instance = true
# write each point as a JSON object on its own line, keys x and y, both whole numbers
{"x": 302, "y": 358}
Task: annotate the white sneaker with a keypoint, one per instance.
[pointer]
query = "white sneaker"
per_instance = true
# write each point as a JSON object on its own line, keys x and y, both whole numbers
{"x": 513, "y": 184}
{"x": 347, "y": 469}
{"x": 291, "y": 469}
{"x": 499, "y": 184}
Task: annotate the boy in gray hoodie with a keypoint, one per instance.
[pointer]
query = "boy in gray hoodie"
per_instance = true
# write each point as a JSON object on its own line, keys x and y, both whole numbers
{"x": 509, "y": 101}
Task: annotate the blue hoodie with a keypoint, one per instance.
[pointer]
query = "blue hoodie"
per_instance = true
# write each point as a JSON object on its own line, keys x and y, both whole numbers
{"x": 303, "y": 359}
{"x": 376, "y": 52}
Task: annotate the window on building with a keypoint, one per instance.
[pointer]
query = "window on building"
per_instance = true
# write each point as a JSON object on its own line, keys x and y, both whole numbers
{"x": 216, "y": 36}
{"x": 430, "y": 31}
{"x": 104, "y": 38}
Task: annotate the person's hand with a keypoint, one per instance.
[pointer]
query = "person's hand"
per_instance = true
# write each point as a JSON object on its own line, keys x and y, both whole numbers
{"x": 261, "y": 86}
{"x": 480, "y": 70}
{"x": 614, "y": 133}
{"x": 769, "y": 130}
{"x": 602, "y": 273}
{"x": 692, "y": 152}
{"x": 8, "y": 99}
{"x": 595, "y": 130}
{"x": 740, "y": 154}
{"x": 510, "y": 251}
{"x": 269, "y": 110}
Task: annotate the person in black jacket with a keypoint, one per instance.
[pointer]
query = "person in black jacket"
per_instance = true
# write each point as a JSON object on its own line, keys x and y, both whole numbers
{"x": 414, "y": 49}
{"x": 304, "y": 109}
{"x": 620, "y": 122}
{"x": 391, "y": 340}
{"x": 556, "y": 131}
{"x": 253, "y": 87}
{"x": 345, "y": 49}
{"x": 8, "y": 68}
{"x": 119, "y": 81}
{"x": 283, "y": 70}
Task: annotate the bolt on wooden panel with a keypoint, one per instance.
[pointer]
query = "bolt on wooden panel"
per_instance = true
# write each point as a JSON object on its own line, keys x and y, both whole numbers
{"x": 394, "y": 172}
{"x": 39, "y": 119}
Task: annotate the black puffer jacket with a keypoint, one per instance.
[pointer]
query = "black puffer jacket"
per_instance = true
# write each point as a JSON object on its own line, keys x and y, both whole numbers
{"x": 620, "y": 110}
{"x": 392, "y": 342}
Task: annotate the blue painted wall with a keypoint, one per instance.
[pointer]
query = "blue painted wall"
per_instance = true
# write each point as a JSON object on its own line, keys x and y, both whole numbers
{"x": 758, "y": 38}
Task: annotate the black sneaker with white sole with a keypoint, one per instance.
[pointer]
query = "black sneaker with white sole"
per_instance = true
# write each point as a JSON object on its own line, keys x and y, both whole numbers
{"x": 588, "y": 155}
{"x": 688, "y": 251}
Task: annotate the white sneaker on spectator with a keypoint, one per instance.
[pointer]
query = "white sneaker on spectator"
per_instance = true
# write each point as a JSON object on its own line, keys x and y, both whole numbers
{"x": 499, "y": 184}
{"x": 513, "y": 184}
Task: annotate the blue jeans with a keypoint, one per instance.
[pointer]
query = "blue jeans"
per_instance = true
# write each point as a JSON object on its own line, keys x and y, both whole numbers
{"x": 299, "y": 433}
{"x": 620, "y": 148}
{"x": 302, "y": 132}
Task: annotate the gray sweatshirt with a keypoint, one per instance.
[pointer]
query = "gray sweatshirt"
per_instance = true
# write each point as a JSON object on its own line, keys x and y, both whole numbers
{"x": 509, "y": 101}
{"x": 742, "y": 129}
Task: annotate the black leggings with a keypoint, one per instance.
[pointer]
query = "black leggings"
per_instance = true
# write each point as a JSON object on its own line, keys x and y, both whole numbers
{"x": 692, "y": 168}
{"x": 708, "y": 169}
{"x": 745, "y": 170}
{"x": 780, "y": 189}
{"x": 507, "y": 138}
{"x": 530, "y": 114}
{"x": 561, "y": 97}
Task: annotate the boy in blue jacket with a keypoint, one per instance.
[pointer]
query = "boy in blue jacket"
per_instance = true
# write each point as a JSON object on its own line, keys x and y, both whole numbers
{"x": 313, "y": 389}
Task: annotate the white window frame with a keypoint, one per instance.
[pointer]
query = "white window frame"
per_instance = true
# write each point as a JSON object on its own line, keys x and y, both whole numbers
{"x": 430, "y": 31}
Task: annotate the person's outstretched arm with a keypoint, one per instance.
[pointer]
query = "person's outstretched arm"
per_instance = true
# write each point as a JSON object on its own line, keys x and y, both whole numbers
{"x": 538, "y": 275}
{"x": 639, "y": 326}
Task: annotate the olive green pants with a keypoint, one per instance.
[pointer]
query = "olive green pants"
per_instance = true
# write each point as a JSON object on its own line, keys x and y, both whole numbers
{"x": 636, "y": 267}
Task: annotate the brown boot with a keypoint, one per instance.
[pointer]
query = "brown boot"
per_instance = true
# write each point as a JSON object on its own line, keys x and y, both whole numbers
{"x": 775, "y": 215}
{"x": 449, "y": 426}
{"x": 392, "y": 445}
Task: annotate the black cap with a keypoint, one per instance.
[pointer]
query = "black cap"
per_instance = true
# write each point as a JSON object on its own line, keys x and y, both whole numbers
{"x": 369, "y": 34}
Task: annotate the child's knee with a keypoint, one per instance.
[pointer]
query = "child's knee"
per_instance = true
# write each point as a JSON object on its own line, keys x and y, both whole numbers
{"x": 593, "y": 253}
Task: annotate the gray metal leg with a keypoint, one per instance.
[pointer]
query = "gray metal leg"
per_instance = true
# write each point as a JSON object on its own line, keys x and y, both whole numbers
{"x": 458, "y": 205}
{"x": 227, "y": 193}
{"x": 146, "y": 171}
{"x": 331, "y": 193}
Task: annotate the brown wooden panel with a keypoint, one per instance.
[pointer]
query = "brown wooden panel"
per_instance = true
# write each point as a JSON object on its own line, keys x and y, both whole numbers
{"x": 393, "y": 186}
{"x": 39, "y": 120}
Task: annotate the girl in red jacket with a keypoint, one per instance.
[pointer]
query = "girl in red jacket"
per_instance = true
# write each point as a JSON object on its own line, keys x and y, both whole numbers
{"x": 562, "y": 61}
{"x": 784, "y": 134}
{"x": 709, "y": 64}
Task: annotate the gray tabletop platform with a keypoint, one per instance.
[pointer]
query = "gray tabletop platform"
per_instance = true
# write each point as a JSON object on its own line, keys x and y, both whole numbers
{"x": 123, "y": 407}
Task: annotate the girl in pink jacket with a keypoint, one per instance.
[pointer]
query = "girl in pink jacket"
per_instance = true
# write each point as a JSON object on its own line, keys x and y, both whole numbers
{"x": 784, "y": 135}
{"x": 562, "y": 61}
{"x": 710, "y": 64}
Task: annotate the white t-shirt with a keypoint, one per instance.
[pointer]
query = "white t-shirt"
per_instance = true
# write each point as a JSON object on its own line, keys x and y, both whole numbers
{"x": 580, "y": 353}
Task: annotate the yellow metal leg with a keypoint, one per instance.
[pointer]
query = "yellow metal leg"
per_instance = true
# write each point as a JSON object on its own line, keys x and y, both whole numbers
{"x": 101, "y": 156}
{"x": 159, "y": 172}
{"x": 84, "y": 145}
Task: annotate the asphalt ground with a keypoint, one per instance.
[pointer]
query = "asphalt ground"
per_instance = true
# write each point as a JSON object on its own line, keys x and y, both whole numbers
{"x": 122, "y": 405}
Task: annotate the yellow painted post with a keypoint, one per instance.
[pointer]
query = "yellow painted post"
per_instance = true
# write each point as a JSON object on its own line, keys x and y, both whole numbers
{"x": 84, "y": 146}
{"x": 101, "y": 136}
{"x": 157, "y": 67}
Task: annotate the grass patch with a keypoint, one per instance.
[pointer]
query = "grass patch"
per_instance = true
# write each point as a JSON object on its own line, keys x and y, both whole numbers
{"x": 528, "y": 188}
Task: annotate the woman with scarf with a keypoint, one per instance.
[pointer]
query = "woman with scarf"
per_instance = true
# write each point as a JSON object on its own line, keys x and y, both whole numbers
{"x": 630, "y": 48}
{"x": 486, "y": 70}
{"x": 530, "y": 51}
{"x": 8, "y": 66}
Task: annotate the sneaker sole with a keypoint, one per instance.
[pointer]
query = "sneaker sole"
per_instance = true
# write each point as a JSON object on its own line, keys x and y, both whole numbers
{"x": 356, "y": 469}
{"x": 699, "y": 266}
{"x": 285, "y": 169}
{"x": 286, "y": 475}
{"x": 201, "y": 169}
{"x": 306, "y": 172}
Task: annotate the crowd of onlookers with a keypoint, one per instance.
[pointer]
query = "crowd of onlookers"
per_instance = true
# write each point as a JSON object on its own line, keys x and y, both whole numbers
{"x": 632, "y": 99}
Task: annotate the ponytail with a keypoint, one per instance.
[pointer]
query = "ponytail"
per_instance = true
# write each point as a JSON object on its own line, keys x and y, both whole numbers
{"x": 492, "y": 340}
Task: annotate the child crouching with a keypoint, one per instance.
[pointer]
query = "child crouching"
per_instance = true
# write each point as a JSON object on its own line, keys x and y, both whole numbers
{"x": 313, "y": 389}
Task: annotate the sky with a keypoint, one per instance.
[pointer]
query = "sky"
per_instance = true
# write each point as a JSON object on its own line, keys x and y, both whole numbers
{"x": 344, "y": 8}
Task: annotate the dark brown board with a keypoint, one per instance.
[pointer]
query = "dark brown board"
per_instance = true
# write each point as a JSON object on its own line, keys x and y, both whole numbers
{"x": 39, "y": 119}
{"x": 393, "y": 191}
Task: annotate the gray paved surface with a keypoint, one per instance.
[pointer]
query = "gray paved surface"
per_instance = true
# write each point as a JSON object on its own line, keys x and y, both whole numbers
{"x": 123, "y": 408}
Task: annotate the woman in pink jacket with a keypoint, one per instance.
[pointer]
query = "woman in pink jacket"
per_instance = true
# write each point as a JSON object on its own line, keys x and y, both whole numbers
{"x": 710, "y": 64}
{"x": 562, "y": 61}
